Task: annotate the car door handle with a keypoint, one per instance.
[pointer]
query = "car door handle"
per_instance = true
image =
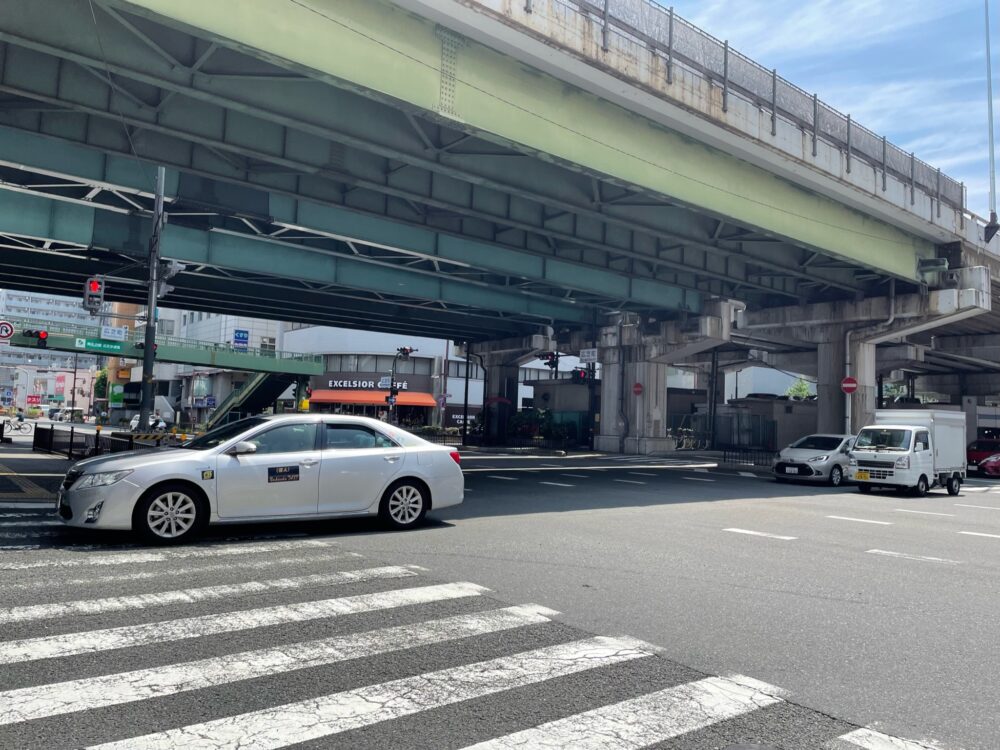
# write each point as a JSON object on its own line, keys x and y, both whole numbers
{"x": 391, "y": 459}
{"x": 310, "y": 462}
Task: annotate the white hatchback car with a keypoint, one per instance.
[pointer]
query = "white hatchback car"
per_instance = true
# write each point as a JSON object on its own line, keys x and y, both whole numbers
{"x": 290, "y": 467}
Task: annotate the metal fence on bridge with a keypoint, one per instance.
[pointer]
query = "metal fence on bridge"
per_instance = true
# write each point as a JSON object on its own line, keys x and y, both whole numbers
{"x": 679, "y": 42}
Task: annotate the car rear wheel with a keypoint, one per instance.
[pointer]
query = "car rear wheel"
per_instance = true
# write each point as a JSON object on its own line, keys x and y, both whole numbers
{"x": 170, "y": 513}
{"x": 403, "y": 505}
{"x": 954, "y": 485}
{"x": 836, "y": 476}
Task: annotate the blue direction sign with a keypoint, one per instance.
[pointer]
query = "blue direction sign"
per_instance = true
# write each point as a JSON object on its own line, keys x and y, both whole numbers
{"x": 241, "y": 339}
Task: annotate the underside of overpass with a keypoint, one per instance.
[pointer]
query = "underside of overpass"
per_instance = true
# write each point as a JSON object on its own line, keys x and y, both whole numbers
{"x": 354, "y": 164}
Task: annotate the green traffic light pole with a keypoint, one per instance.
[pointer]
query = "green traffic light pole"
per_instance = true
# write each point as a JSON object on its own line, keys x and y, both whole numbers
{"x": 149, "y": 342}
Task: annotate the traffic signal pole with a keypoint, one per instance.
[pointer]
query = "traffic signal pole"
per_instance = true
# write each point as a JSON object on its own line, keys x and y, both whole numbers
{"x": 149, "y": 348}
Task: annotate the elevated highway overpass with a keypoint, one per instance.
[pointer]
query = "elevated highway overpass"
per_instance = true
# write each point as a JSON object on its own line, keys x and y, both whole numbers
{"x": 518, "y": 175}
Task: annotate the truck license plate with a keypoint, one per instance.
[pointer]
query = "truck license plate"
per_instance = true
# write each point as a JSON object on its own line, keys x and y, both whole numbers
{"x": 864, "y": 476}
{"x": 791, "y": 469}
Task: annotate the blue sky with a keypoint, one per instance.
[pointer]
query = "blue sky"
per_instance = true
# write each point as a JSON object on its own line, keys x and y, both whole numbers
{"x": 913, "y": 70}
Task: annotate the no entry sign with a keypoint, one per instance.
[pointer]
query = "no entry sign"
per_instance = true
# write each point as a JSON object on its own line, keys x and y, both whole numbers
{"x": 848, "y": 385}
{"x": 637, "y": 389}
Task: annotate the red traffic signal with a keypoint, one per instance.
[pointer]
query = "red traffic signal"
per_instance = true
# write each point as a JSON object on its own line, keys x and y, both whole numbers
{"x": 41, "y": 337}
{"x": 579, "y": 375}
{"x": 94, "y": 286}
{"x": 142, "y": 345}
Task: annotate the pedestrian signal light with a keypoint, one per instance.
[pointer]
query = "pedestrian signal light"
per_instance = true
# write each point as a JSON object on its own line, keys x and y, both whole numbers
{"x": 579, "y": 375}
{"x": 93, "y": 294}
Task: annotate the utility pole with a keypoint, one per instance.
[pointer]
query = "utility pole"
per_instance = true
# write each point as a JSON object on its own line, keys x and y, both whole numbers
{"x": 149, "y": 347}
{"x": 72, "y": 404}
{"x": 993, "y": 225}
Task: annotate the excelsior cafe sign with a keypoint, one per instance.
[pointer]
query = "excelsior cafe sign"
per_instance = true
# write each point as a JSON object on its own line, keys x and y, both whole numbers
{"x": 363, "y": 381}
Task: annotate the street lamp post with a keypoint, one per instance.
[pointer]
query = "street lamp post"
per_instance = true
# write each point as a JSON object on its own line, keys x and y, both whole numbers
{"x": 404, "y": 352}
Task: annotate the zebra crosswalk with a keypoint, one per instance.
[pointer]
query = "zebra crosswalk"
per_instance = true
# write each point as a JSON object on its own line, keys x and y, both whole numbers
{"x": 270, "y": 644}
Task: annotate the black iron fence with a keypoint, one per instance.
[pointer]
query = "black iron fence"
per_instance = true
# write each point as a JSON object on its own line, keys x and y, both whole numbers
{"x": 732, "y": 431}
{"x": 748, "y": 457}
{"x": 75, "y": 443}
{"x": 510, "y": 441}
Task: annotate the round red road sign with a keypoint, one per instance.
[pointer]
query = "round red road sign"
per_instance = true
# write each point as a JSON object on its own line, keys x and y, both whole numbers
{"x": 848, "y": 385}
{"x": 637, "y": 389}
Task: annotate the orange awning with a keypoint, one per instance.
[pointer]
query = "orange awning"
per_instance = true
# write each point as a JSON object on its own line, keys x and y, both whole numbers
{"x": 374, "y": 398}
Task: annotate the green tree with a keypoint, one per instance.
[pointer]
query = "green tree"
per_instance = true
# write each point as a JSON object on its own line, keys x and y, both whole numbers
{"x": 799, "y": 389}
{"x": 101, "y": 384}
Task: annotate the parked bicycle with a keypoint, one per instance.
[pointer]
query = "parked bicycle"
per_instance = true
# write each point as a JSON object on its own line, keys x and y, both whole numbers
{"x": 12, "y": 425}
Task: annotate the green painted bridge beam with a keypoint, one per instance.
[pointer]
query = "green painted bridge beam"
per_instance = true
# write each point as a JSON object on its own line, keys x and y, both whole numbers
{"x": 61, "y": 157}
{"x": 47, "y": 218}
{"x": 374, "y": 47}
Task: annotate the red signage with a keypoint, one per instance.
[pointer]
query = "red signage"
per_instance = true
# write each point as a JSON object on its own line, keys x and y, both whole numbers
{"x": 637, "y": 389}
{"x": 60, "y": 385}
{"x": 34, "y": 399}
{"x": 848, "y": 385}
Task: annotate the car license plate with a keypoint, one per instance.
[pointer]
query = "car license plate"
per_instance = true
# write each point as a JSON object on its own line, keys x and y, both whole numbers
{"x": 864, "y": 476}
{"x": 971, "y": 467}
{"x": 791, "y": 469}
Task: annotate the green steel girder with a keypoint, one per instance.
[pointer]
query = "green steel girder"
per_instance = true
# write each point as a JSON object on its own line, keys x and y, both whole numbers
{"x": 265, "y": 121}
{"x": 47, "y": 218}
{"x": 36, "y": 152}
{"x": 62, "y": 273}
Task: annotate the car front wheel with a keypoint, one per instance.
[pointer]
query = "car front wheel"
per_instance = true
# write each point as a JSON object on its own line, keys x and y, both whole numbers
{"x": 403, "y": 505}
{"x": 921, "y": 489}
{"x": 169, "y": 514}
{"x": 836, "y": 476}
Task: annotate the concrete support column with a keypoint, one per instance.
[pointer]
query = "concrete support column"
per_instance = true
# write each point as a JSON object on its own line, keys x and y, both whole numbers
{"x": 500, "y": 396}
{"x": 865, "y": 399}
{"x": 630, "y": 422}
{"x": 831, "y": 359}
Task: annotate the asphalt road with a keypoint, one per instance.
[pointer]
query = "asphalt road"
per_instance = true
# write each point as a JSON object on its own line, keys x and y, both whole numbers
{"x": 850, "y": 610}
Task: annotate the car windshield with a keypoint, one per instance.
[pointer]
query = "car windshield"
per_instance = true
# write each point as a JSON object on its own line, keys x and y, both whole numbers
{"x": 884, "y": 439}
{"x": 818, "y": 443}
{"x": 220, "y": 435}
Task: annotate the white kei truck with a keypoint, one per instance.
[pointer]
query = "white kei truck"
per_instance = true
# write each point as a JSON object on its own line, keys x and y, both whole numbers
{"x": 910, "y": 449}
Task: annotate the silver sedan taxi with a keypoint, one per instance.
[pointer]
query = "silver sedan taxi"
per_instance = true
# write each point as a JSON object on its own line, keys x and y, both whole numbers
{"x": 290, "y": 467}
{"x": 819, "y": 458}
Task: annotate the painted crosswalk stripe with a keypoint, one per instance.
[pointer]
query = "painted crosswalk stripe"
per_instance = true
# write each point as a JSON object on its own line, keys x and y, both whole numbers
{"x": 497, "y": 476}
{"x": 697, "y": 479}
{"x": 50, "y": 505}
{"x": 327, "y": 715}
{"x": 29, "y": 534}
{"x": 747, "y": 474}
{"x": 162, "y": 572}
{"x": 627, "y": 481}
{"x": 28, "y": 524}
{"x": 128, "y": 636}
{"x": 646, "y": 720}
{"x": 203, "y": 594}
{"x": 642, "y": 474}
{"x": 575, "y": 476}
{"x": 145, "y": 556}
{"x": 923, "y": 512}
{"x": 860, "y": 520}
{"x": 36, "y": 514}
{"x": 748, "y": 532}
{"x": 980, "y": 507}
{"x": 906, "y": 556}
{"x": 979, "y": 533}
{"x": 558, "y": 484}
{"x": 869, "y": 739}
{"x": 43, "y": 701}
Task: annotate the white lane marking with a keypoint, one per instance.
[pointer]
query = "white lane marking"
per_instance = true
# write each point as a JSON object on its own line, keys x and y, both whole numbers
{"x": 327, "y": 715}
{"x": 497, "y": 476}
{"x": 627, "y": 481}
{"x": 28, "y": 524}
{"x": 979, "y": 533}
{"x": 860, "y": 520}
{"x": 131, "y": 558}
{"x": 575, "y": 476}
{"x": 976, "y": 489}
{"x": 869, "y": 739}
{"x": 697, "y": 479}
{"x": 923, "y": 512}
{"x": 128, "y": 636}
{"x": 981, "y": 507}
{"x": 551, "y": 465}
{"x": 43, "y": 701}
{"x": 761, "y": 533}
{"x": 203, "y": 594}
{"x": 170, "y": 571}
{"x": 643, "y": 721}
{"x": 905, "y": 556}
{"x": 747, "y": 474}
{"x": 558, "y": 484}
{"x": 703, "y": 471}
{"x": 50, "y": 505}
{"x": 642, "y": 474}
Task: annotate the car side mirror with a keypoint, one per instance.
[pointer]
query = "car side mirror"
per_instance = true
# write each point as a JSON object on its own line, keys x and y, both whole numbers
{"x": 920, "y": 447}
{"x": 241, "y": 448}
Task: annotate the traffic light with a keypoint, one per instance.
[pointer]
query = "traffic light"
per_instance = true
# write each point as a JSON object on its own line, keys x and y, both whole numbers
{"x": 579, "y": 375}
{"x": 551, "y": 359}
{"x": 41, "y": 337}
{"x": 93, "y": 294}
{"x": 405, "y": 351}
{"x": 142, "y": 345}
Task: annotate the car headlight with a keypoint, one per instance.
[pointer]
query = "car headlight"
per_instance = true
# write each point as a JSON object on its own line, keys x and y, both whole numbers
{"x": 903, "y": 462}
{"x": 817, "y": 459}
{"x": 851, "y": 460}
{"x": 991, "y": 458}
{"x": 101, "y": 479}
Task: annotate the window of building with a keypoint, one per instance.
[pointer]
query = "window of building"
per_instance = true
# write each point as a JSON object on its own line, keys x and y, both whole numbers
{"x": 422, "y": 366}
{"x": 366, "y": 363}
{"x": 404, "y": 366}
{"x": 456, "y": 369}
{"x": 184, "y": 319}
{"x": 333, "y": 363}
{"x": 267, "y": 344}
{"x": 348, "y": 363}
{"x": 201, "y": 316}
{"x": 166, "y": 327}
{"x": 383, "y": 364}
